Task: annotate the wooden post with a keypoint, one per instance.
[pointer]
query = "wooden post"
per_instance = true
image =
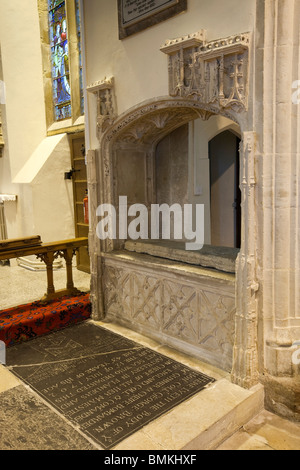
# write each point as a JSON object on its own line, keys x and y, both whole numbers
{"x": 48, "y": 259}
{"x": 68, "y": 255}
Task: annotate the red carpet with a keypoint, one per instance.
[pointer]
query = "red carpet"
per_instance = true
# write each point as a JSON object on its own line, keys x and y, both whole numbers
{"x": 29, "y": 321}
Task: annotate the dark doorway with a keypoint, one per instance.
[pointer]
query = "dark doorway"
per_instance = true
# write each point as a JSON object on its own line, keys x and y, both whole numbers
{"x": 225, "y": 194}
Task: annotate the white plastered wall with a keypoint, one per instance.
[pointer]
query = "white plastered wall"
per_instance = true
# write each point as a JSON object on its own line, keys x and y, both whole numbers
{"x": 201, "y": 133}
{"x": 51, "y": 196}
{"x": 44, "y": 200}
{"x": 139, "y": 67}
{"x": 22, "y": 72}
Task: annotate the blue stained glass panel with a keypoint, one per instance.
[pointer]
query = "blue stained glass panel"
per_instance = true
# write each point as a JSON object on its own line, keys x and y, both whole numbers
{"x": 59, "y": 59}
{"x": 78, "y": 27}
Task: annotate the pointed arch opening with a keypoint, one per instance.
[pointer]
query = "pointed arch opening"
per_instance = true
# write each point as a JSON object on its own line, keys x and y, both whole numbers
{"x": 158, "y": 154}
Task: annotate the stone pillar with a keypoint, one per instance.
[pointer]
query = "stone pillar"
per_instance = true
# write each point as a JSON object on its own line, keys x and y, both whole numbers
{"x": 94, "y": 242}
{"x": 246, "y": 348}
{"x": 278, "y": 170}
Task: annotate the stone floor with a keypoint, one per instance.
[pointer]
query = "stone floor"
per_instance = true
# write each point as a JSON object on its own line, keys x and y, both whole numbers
{"x": 19, "y": 285}
{"x": 265, "y": 432}
{"x": 22, "y": 413}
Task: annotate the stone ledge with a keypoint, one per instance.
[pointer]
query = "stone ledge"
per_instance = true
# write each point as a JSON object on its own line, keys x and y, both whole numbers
{"x": 146, "y": 262}
{"x": 219, "y": 258}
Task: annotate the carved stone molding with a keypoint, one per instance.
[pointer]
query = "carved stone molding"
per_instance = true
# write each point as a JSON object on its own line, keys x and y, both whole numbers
{"x": 213, "y": 72}
{"x": 154, "y": 126}
{"x": 186, "y": 42}
{"x": 150, "y": 122}
{"x": 106, "y": 102}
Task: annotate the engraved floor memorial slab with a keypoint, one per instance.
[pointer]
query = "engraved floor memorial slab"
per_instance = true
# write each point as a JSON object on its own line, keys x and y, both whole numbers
{"x": 106, "y": 385}
{"x": 28, "y": 424}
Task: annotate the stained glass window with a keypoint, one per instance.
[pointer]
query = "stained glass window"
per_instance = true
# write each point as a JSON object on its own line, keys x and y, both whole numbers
{"x": 62, "y": 35}
{"x": 78, "y": 27}
{"x": 59, "y": 59}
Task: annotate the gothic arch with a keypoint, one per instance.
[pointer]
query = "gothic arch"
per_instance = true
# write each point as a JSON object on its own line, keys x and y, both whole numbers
{"x": 141, "y": 128}
{"x": 231, "y": 127}
{"x": 153, "y": 119}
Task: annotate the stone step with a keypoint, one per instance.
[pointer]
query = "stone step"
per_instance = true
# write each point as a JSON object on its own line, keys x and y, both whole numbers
{"x": 266, "y": 431}
{"x": 201, "y": 423}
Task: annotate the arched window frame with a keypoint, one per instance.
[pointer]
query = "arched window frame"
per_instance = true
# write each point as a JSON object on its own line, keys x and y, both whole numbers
{"x": 76, "y": 122}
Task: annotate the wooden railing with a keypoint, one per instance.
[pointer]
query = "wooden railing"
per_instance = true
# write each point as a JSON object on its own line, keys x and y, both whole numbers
{"x": 48, "y": 253}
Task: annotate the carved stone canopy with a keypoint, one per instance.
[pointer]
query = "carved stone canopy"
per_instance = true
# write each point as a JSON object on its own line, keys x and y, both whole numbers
{"x": 205, "y": 78}
{"x": 213, "y": 73}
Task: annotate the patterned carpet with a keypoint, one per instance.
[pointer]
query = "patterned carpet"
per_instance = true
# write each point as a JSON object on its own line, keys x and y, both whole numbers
{"x": 29, "y": 321}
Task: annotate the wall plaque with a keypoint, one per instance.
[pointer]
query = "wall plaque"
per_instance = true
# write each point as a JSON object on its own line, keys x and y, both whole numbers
{"x": 137, "y": 15}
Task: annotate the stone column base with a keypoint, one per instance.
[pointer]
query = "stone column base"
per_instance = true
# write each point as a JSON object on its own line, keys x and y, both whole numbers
{"x": 282, "y": 396}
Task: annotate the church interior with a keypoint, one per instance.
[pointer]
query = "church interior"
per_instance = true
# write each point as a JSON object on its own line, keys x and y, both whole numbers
{"x": 149, "y": 225}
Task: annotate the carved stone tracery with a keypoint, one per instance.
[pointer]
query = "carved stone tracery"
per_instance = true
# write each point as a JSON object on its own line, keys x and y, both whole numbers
{"x": 182, "y": 308}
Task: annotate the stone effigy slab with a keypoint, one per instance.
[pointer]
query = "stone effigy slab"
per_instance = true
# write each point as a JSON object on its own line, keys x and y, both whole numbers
{"x": 109, "y": 387}
{"x": 219, "y": 258}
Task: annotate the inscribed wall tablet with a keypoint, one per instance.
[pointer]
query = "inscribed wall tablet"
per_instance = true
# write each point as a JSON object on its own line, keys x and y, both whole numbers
{"x": 137, "y": 15}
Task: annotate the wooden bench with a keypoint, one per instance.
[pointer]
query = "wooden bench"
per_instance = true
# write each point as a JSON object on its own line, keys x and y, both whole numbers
{"x": 47, "y": 252}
